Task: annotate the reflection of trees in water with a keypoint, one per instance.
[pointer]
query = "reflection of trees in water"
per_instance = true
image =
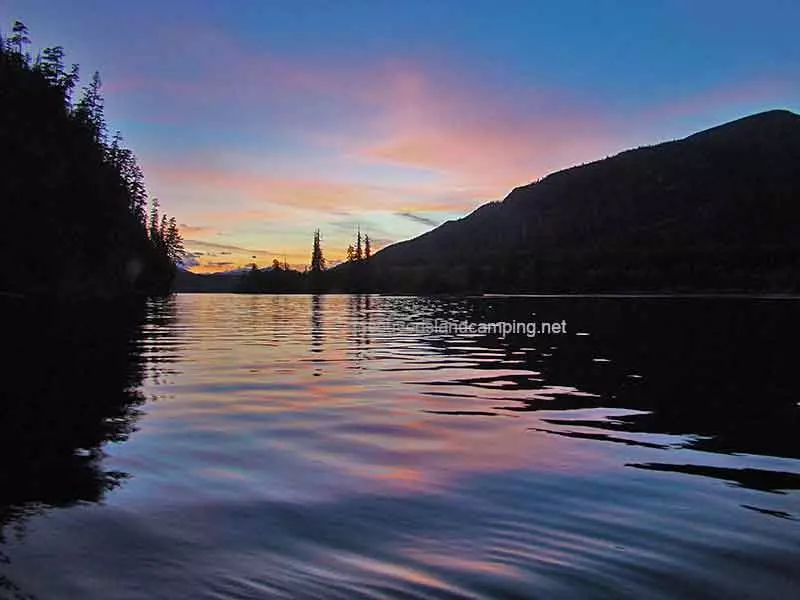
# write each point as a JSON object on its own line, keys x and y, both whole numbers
{"x": 72, "y": 382}
{"x": 155, "y": 350}
{"x": 359, "y": 320}
{"x": 317, "y": 332}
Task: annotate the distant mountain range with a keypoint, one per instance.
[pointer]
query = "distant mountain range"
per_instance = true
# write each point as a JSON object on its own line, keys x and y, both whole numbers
{"x": 186, "y": 281}
{"x": 717, "y": 211}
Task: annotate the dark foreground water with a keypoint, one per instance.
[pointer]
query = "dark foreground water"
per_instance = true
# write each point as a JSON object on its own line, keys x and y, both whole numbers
{"x": 222, "y": 446}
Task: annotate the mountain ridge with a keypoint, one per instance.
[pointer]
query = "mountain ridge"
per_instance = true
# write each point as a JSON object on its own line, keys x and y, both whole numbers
{"x": 725, "y": 194}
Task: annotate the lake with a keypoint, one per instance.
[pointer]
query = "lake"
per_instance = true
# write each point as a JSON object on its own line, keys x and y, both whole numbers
{"x": 232, "y": 446}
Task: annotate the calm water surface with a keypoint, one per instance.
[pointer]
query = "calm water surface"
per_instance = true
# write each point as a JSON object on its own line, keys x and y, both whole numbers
{"x": 226, "y": 446}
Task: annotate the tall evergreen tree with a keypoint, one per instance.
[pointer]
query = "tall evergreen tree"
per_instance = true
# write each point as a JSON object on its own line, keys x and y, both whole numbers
{"x": 359, "y": 251}
{"x": 114, "y": 151}
{"x": 317, "y": 258}
{"x": 174, "y": 242}
{"x": 90, "y": 110}
{"x": 367, "y": 247}
{"x": 68, "y": 83}
{"x": 50, "y": 63}
{"x": 18, "y": 41}
{"x": 162, "y": 230}
{"x": 154, "y": 220}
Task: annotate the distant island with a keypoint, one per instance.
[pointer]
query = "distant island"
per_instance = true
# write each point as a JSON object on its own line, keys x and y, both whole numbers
{"x": 714, "y": 212}
{"x": 77, "y": 221}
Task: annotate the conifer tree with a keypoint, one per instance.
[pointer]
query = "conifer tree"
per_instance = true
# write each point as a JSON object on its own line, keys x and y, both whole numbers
{"x": 162, "y": 230}
{"x": 90, "y": 109}
{"x": 154, "y": 220}
{"x": 19, "y": 40}
{"x": 317, "y": 258}
{"x": 51, "y": 65}
{"x": 174, "y": 242}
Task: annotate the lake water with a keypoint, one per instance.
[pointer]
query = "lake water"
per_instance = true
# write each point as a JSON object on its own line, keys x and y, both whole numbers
{"x": 228, "y": 446}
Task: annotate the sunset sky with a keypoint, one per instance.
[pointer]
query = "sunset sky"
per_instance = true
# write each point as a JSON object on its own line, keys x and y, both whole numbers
{"x": 258, "y": 121}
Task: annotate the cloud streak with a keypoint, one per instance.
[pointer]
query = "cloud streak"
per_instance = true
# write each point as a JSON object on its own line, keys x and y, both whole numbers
{"x": 210, "y": 257}
{"x": 418, "y": 219}
{"x": 211, "y": 248}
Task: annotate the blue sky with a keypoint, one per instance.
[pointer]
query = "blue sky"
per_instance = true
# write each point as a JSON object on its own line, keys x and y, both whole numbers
{"x": 257, "y": 122}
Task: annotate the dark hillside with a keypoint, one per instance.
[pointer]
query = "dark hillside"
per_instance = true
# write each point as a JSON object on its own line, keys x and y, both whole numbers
{"x": 73, "y": 200}
{"x": 717, "y": 210}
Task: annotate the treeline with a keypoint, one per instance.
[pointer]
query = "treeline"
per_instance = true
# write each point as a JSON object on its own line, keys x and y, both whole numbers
{"x": 353, "y": 275}
{"x": 77, "y": 218}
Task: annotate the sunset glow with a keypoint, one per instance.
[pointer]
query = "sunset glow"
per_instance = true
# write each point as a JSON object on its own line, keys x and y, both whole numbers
{"x": 397, "y": 117}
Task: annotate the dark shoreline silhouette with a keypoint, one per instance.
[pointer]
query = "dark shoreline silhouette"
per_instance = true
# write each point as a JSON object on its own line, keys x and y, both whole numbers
{"x": 77, "y": 222}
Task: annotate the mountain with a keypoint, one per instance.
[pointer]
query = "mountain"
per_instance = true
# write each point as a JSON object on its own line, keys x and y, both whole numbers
{"x": 186, "y": 281}
{"x": 717, "y": 210}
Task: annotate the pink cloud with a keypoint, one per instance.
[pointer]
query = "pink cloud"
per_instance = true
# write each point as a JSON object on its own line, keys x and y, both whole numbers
{"x": 390, "y": 111}
{"x": 377, "y": 136}
{"x": 478, "y": 141}
{"x": 481, "y": 139}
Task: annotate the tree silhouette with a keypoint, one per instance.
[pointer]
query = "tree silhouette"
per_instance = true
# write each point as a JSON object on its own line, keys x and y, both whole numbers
{"x": 154, "y": 220}
{"x": 317, "y": 258}
{"x": 50, "y": 63}
{"x": 174, "y": 242}
{"x": 19, "y": 40}
{"x": 90, "y": 109}
{"x": 124, "y": 161}
{"x": 362, "y": 249}
{"x": 74, "y": 198}
{"x": 162, "y": 231}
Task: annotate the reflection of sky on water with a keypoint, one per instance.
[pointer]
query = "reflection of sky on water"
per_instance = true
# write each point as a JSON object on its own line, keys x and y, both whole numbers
{"x": 291, "y": 446}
